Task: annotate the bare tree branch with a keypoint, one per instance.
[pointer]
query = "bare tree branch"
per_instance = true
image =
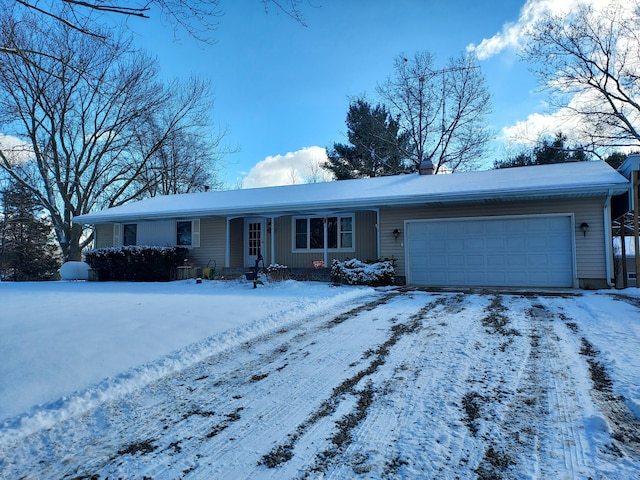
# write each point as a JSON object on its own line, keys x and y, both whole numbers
{"x": 442, "y": 110}
{"x": 95, "y": 118}
{"x": 589, "y": 62}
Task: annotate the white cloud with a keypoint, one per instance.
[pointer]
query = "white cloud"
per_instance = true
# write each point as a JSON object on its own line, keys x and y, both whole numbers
{"x": 15, "y": 149}
{"x": 528, "y": 132}
{"x": 514, "y": 33}
{"x": 302, "y": 166}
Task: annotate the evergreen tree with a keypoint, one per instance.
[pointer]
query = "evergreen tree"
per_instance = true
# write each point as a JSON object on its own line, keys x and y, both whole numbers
{"x": 27, "y": 251}
{"x": 616, "y": 159}
{"x": 545, "y": 153}
{"x": 375, "y": 144}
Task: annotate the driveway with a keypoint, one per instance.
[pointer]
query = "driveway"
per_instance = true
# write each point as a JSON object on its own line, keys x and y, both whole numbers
{"x": 396, "y": 384}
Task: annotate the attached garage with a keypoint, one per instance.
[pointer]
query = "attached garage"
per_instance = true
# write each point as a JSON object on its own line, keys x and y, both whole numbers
{"x": 513, "y": 251}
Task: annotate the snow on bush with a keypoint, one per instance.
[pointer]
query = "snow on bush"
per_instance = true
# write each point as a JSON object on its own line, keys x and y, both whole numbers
{"x": 355, "y": 272}
{"x": 278, "y": 272}
{"x": 136, "y": 263}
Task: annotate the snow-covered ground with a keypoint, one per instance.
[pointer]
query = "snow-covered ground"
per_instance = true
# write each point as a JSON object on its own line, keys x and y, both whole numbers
{"x": 305, "y": 380}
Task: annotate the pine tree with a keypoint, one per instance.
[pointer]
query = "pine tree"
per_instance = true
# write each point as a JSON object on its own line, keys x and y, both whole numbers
{"x": 546, "y": 152}
{"x": 375, "y": 146}
{"x": 27, "y": 251}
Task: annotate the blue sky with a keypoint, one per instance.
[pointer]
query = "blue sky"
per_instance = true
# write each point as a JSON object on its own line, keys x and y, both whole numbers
{"x": 282, "y": 89}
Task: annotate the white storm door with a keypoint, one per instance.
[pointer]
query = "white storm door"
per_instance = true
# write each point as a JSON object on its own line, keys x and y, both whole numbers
{"x": 254, "y": 240}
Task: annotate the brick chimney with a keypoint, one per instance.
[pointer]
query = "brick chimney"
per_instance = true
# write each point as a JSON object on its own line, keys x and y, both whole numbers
{"x": 426, "y": 167}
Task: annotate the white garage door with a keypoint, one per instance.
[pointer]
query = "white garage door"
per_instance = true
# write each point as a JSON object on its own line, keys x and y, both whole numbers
{"x": 501, "y": 251}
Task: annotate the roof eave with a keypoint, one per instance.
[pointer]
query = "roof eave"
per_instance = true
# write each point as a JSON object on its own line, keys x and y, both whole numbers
{"x": 371, "y": 202}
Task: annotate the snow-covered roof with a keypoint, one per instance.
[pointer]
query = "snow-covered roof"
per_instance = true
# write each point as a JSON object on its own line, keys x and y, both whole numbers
{"x": 510, "y": 184}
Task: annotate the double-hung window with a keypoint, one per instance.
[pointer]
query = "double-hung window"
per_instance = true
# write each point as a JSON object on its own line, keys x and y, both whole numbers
{"x": 188, "y": 233}
{"x": 309, "y": 233}
{"x": 129, "y": 234}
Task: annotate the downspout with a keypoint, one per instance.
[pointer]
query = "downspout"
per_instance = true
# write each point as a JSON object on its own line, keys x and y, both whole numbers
{"x": 273, "y": 240}
{"x": 379, "y": 248}
{"x": 227, "y": 251}
{"x": 608, "y": 240}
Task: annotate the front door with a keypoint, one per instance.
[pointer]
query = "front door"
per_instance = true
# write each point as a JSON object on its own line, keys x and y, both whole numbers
{"x": 254, "y": 236}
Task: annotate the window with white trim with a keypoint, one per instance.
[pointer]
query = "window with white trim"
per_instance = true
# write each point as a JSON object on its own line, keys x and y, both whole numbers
{"x": 188, "y": 233}
{"x": 129, "y": 234}
{"x": 308, "y": 233}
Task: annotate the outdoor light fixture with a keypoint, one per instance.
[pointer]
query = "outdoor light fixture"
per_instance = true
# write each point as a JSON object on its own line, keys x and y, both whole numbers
{"x": 396, "y": 233}
{"x": 584, "y": 226}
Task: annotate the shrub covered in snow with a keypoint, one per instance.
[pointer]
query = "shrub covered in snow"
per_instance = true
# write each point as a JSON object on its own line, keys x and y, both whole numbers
{"x": 355, "y": 272}
{"x": 278, "y": 272}
{"x": 139, "y": 264}
{"x": 74, "y": 271}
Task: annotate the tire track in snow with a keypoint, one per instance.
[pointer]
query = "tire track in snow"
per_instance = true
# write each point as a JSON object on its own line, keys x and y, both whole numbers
{"x": 413, "y": 400}
{"x": 527, "y": 418}
{"x": 624, "y": 426}
{"x": 283, "y": 452}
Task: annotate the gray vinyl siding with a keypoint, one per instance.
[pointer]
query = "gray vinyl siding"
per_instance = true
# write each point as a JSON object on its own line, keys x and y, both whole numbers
{"x": 236, "y": 242}
{"x": 212, "y": 243}
{"x": 590, "y": 253}
{"x": 365, "y": 243}
{"x": 103, "y": 236}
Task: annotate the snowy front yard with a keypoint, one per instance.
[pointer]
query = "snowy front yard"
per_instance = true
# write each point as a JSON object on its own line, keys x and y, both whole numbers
{"x": 305, "y": 380}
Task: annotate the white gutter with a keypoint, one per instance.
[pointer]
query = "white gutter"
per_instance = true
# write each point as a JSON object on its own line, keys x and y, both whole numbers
{"x": 608, "y": 241}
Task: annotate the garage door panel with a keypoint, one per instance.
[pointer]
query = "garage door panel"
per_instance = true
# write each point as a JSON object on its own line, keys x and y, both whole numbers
{"x": 474, "y": 243}
{"x": 455, "y": 228}
{"x": 495, "y": 242}
{"x": 475, "y": 260}
{"x": 515, "y": 260}
{"x": 515, "y": 244}
{"x": 515, "y": 278}
{"x": 493, "y": 228}
{"x": 500, "y": 251}
{"x": 437, "y": 261}
{"x": 474, "y": 228}
{"x": 496, "y": 260}
{"x": 537, "y": 243}
{"x": 455, "y": 260}
{"x": 514, "y": 227}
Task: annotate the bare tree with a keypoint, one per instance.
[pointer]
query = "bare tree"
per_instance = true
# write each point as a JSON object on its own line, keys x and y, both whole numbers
{"x": 589, "y": 62}
{"x": 198, "y": 18}
{"x": 443, "y": 111}
{"x": 84, "y": 115}
{"x": 187, "y": 154}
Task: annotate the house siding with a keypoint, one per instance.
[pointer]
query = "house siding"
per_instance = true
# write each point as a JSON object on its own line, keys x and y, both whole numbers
{"x": 212, "y": 243}
{"x": 590, "y": 255}
{"x": 236, "y": 242}
{"x": 103, "y": 236}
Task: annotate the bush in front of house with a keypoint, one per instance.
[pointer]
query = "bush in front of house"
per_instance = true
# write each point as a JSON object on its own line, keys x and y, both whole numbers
{"x": 355, "y": 272}
{"x": 278, "y": 272}
{"x": 136, "y": 264}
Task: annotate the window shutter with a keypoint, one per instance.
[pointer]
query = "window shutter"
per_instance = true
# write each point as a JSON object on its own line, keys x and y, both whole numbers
{"x": 117, "y": 235}
{"x": 195, "y": 233}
